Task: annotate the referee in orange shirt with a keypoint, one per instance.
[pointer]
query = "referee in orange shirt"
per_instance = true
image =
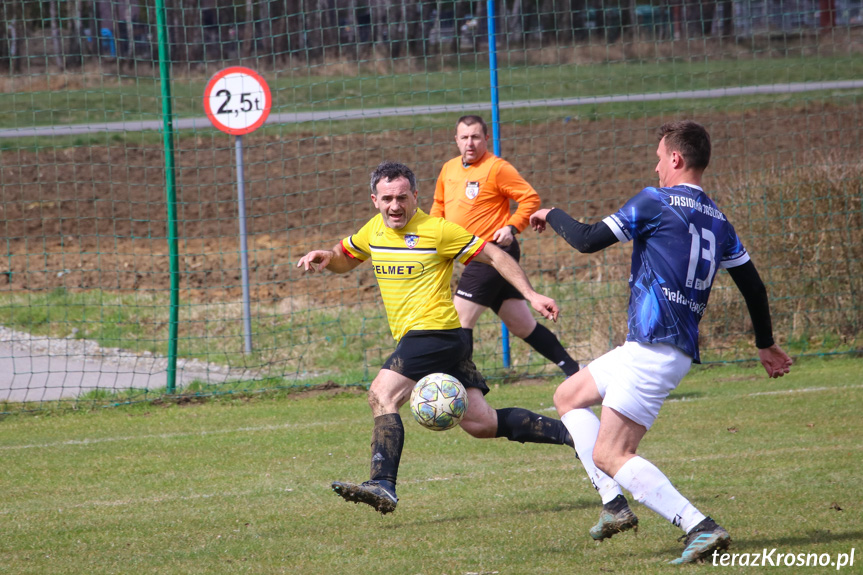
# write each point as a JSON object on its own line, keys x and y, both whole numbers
{"x": 474, "y": 190}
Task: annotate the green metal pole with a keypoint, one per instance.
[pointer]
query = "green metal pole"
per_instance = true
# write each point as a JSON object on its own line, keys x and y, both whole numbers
{"x": 170, "y": 188}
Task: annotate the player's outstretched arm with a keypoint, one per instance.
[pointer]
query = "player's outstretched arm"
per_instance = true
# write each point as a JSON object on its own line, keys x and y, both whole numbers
{"x": 334, "y": 260}
{"x": 775, "y": 361}
{"x": 586, "y": 238}
{"x": 514, "y": 274}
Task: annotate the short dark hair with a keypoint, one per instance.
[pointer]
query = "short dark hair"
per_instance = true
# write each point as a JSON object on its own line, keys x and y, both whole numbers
{"x": 392, "y": 171}
{"x": 470, "y": 120}
{"x": 690, "y": 139}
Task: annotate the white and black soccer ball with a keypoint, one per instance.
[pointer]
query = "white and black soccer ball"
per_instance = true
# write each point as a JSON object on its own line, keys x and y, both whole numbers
{"x": 438, "y": 401}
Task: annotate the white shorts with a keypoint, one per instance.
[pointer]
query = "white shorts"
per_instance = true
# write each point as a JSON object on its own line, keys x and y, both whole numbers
{"x": 635, "y": 378}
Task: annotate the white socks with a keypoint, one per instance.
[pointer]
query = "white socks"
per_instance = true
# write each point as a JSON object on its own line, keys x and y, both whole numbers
{"x": 650, "y": 487}
{"x": 583, "y": 426}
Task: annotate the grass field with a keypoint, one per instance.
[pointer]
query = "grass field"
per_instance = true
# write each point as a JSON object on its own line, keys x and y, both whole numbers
{"x": 242, "y": 485}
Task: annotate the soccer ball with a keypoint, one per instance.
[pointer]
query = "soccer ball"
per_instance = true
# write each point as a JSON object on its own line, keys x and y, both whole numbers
{"x": 438, "y": 401}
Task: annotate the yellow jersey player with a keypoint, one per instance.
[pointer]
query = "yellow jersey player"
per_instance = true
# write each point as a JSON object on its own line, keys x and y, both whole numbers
{"x": 412, "y": 255}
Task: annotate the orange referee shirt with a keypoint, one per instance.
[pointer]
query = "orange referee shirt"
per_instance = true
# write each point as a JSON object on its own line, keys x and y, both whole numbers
{"x": 477, "y": 197}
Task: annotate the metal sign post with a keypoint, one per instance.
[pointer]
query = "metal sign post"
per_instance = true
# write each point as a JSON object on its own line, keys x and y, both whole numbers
{"x": 495, "y": 123}
{"x": 237, "y": 101}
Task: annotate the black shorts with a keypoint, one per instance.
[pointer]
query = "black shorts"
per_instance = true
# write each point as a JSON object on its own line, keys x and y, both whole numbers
{"x": 482, "y": 284}
{"x": 421, "y": 352}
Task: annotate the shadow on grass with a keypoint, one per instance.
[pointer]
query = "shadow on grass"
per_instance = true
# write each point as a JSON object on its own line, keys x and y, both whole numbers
{"x": 685, "y": 396}
{"x": 520, "y": 510}
{"x": 790, "y": 544}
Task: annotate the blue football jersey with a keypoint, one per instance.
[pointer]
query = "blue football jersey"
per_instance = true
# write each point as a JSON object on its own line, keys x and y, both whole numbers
{"x": 680, "y": 239}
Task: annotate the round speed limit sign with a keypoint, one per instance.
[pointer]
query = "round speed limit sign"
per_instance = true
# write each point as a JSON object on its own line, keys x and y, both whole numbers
{"x": 237, "y": 100}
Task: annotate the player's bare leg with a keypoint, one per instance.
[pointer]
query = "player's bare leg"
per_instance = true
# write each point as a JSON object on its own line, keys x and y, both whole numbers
{"x": 573, "y": 399}
{"x": 480, "y": 419}
{"x": 387, "y": 393}
{"x": 617, "y": 441}
{"x": 517, "y": 317}
{"x": 468, "y": 312}
{"x": 615, "y": 454}
{"x": 516, "y": 424}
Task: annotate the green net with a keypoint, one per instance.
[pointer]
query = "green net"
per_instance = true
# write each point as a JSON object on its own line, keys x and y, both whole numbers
{"x": 86, "y": 303}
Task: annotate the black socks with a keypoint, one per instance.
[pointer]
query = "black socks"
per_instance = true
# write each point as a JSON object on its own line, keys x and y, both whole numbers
{"x": 517, "y": 424}
{"x": 388, "y": 439}
{"x": 546, "y": 343}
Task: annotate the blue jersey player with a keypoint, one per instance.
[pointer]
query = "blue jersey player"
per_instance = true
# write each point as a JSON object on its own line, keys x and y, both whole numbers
{"x": 680, "y": 240}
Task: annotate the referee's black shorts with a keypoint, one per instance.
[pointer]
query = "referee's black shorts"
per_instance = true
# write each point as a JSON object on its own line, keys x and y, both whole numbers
{"x": 482, "y": 284}
{"x": 421, "y": 352}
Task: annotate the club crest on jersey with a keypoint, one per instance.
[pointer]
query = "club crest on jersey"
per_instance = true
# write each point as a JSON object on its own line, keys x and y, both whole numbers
{"x": 411, "y": 240}
{"x": 471, "y": 190}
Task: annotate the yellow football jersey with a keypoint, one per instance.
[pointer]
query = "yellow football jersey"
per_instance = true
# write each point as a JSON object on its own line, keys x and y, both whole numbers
{"x": 413, "y": 267}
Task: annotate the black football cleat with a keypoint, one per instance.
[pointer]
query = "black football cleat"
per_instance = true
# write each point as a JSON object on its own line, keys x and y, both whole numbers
{"x": 371, "y": 493}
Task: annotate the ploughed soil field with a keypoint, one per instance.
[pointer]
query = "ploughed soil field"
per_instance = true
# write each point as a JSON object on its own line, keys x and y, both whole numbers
{"x": 96, "y": 217}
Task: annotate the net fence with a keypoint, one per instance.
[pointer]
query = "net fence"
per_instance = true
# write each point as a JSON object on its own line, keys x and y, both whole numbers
{"x": 93, "y": 312}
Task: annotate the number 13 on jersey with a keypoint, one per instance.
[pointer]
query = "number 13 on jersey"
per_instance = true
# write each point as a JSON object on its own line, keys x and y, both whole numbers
{"x": 237, "y": 100}
{"x": 698, "y": 252}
